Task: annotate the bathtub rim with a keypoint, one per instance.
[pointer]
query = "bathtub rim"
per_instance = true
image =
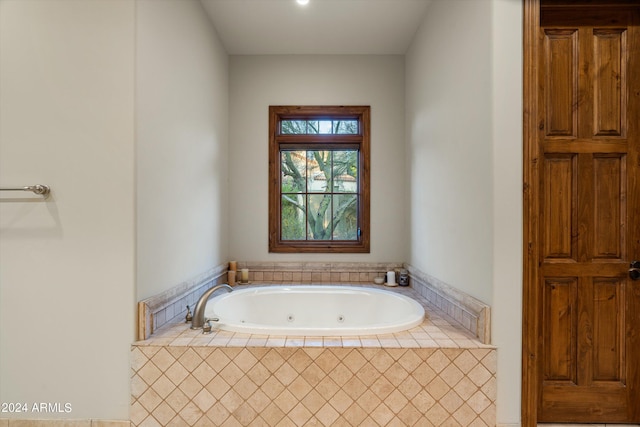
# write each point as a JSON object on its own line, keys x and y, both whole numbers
{"x": 381, "y": 329}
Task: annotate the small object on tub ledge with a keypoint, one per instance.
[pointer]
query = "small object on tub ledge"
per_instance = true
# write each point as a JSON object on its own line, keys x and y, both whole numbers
{"x": 378, "y": 280}
{"x": 391, "y": 279}
{"x": 244, "y": 276}
{"x": 233, "y": 265}
{"x": 231, "y": 277}
{"x": 403, "y": 279}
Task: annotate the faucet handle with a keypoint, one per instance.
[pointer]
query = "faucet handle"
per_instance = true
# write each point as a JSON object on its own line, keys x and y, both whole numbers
{"x": 189, "y": 317}
{"x": 206, "y": 328}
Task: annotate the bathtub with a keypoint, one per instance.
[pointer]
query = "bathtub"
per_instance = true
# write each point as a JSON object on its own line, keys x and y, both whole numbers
{"x": 314, "y": 310}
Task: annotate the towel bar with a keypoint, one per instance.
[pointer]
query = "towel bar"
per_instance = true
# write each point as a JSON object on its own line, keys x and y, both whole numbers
{"x": 40, "y": 189}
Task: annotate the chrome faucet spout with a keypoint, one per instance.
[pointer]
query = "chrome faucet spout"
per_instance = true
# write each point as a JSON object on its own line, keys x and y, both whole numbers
{"x": 198, "y": 313}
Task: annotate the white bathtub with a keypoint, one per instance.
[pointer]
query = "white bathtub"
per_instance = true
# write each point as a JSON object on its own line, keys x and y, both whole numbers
{"x": 314, "y": 310}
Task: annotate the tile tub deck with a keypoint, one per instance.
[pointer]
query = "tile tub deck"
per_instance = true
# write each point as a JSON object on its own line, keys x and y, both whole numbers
{"x": 433, "y": 374}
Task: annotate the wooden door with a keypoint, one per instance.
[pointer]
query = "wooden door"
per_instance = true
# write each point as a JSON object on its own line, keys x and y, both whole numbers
{"x": 582, "y": 337}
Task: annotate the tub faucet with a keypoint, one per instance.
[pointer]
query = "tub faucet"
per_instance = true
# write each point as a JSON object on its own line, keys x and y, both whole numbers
{"x": 198, "y": 313}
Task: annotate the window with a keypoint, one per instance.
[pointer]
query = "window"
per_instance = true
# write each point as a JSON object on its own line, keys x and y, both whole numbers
{"x": 318, "y": 179}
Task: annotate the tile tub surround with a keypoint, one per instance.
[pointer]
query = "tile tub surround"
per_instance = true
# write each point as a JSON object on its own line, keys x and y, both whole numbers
{"x": 316, "y": 272}
{"x": 434, "y": 374}
{"x": 171, "y": 306}
{"x": 470, "y": 313}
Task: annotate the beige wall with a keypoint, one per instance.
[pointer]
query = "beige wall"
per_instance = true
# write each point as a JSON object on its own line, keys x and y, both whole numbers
{"x": 464, "y": 145}
{"x": 506, "y": 303}
{"x": 67, "y": 276}
{"x": 121, "y": 107}
{"x": 260, "y": 81}
{"x": 181, "y": 145}
{"x": 449, "y": 145}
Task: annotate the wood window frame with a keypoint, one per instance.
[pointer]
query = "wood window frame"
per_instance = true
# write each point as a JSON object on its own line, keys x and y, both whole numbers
{"x": 277, "y": 141}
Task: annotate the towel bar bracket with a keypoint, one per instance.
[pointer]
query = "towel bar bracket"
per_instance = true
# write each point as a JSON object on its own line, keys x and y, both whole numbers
{"x": 42, "y": 190}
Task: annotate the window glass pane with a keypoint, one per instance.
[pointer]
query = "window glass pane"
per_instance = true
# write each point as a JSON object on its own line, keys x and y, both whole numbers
{"x": 319, "y": 216}
{"x": 325, "y": 126}
{"x": 293, "y": 127}
{"x": 318, "y": 171}
{"x": 345, "y": 127}
{"x": 313, "y": 127}
{"x": 293, "y": 166}
{"x": 345, "y": 171}
{"x": 293, "y": 217}
{"x": 345, "y": 217}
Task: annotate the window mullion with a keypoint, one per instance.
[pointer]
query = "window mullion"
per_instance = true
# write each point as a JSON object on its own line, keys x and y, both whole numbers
{"x": 307, "y": 198}
{"x": 331, "y": 189}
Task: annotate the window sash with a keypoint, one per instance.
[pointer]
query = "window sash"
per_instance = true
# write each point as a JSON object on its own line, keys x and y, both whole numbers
{"x": 338, "y": 194}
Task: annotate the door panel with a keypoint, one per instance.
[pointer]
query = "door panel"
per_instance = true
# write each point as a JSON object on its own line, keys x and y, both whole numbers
{"x": 559, "y": 330}
{"x": 608, "y": 329}
{"x": 588, "y": 209}
{"x": 609, "y": 84}
{"x": 561, "y": 72}
{"x": 559, "y": 216}
{"x": 609, "y": 180}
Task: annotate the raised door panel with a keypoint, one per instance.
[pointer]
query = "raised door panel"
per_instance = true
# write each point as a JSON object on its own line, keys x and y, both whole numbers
{"x": 609, "y": 194}
{"x": 609, "y": 82}
{"x": 559, "y": 330}
{"x": 561, "y": 73}
{"x": 608, "y": 330}
{"x": 559, "y": 219}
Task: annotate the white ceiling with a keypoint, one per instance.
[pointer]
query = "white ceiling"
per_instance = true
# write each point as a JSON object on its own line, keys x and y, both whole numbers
{"x": 261, "y": 27}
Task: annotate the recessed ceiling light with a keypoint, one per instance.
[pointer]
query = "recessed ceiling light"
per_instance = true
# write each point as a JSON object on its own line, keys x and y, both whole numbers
{"x": 302, "y": 2}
